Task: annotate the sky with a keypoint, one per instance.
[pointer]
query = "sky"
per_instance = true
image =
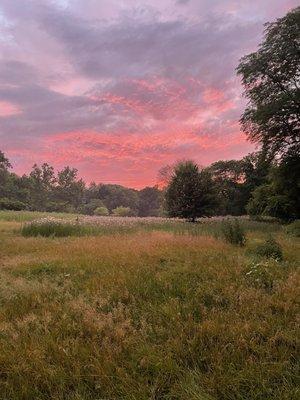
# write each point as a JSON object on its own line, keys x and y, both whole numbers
{"x": 120, "y": 88}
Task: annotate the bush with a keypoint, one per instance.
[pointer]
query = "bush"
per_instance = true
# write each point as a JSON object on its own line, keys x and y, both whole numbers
{"x": 233, "y": 232}
{"x": 293, "y": 229}
{"x": 122, "y": 211}
{"x": 269, "y": 249}
{"x": 90, "y": 207}
{"x": 101, "y": 211}
{"x": 14, "y": 205}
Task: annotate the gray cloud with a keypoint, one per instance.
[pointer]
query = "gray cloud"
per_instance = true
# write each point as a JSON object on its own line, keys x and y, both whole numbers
{"x": 133, "y": 48}
{"x": 129, "y": 49}
{"x": 182, "y": 1}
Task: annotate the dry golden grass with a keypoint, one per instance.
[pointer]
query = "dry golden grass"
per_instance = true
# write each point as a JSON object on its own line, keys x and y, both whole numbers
{"x": 147, "y": 315}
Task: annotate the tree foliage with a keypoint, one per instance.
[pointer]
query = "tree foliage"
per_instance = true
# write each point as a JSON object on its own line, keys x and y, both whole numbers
{"x": 236, "y": 179}
{"x": 101, "y": 211}
{"x": 149, "y": 202}
{"x": 122, "y": 211}
{"x": 190, "y": 193}
{"x": 271, "y": 78}
{"x": 279, "y": 197}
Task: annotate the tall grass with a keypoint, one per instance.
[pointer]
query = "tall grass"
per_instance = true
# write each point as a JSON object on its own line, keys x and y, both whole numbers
{"x": 59, "y": 228}
{"x": 51, "y": 228}
{"x": 229, "y": 230}
{"x": 148, "y": 315}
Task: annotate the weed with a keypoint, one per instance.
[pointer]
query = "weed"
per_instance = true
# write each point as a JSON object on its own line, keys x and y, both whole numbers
{"x": 233, "y": 232}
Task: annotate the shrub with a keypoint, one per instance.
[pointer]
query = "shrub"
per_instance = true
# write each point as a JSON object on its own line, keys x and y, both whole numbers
{"x": 293, "y": 229}
{"x": 14, "y": 205}
{"x": 233, "y": 232}
{"x": 269, "y": 249}
{"x": 90, "y": 207}
{"x": 258, "y": 202}
{"x": 122, "y": 211}
{"x": 101, "y": 211}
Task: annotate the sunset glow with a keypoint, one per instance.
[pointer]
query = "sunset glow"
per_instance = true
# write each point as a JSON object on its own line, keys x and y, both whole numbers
{"x": 120, "y": 89}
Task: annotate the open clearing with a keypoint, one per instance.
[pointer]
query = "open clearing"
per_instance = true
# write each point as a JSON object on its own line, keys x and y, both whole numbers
{"x": 153, "y": 311}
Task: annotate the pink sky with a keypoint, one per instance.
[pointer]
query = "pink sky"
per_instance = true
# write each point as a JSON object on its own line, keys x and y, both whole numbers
{"x": 120, "y": 89}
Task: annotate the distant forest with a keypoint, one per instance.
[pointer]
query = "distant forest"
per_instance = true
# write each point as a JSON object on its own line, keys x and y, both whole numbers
{"x": 254, "y": 185}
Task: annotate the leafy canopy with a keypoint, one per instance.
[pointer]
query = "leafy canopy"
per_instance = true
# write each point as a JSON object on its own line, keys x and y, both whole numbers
{"x": 271, "y": 78}
{"x": 190, "y": 193}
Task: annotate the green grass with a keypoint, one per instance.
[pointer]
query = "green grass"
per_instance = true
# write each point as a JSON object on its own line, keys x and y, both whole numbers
{"x": 165, "y": 312}
{"x": 59, "y": 229}
{"x": 73, "y": 227}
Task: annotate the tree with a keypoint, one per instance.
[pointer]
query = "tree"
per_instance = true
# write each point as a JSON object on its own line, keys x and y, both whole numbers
{"x": 271, "y": 78}
{"x": 236, "y": 179}
{"x": 149, "y": 202}
{"x": 69, "y": 189}
{"x": 4, "y": 173}
{"x": 42, "y": 181}
{"x": 228, "y": 177}
{"x": 114, "y": 196}
{"x": 279, "y": 197}
{"x": 4, "y": 162}
{"x": 164, "y": 175}
{"x": 190, "y": 193}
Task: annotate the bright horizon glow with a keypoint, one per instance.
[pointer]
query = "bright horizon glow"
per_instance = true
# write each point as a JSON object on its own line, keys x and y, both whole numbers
{"x": 120, "y": 89}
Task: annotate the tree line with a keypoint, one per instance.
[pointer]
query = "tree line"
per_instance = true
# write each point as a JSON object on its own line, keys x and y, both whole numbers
{"x": 264, "y": 183}
{"x": 254, "y": 185}
{"x": 45, "y": 190}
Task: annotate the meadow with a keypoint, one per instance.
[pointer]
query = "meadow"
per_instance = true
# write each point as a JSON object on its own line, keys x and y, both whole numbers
{"x": 144, "y": 308}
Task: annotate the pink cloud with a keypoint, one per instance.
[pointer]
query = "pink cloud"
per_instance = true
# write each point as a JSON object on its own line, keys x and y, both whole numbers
{"x": 119, "y": 91}
{"x": 130, "y": 159}
{"x": 7, "y": 109}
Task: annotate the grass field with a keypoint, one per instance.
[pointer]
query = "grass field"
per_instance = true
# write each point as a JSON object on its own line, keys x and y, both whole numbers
{"x": 153, "y": 309}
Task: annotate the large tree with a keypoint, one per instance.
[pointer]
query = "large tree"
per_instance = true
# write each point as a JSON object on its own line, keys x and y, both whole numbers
{"x": 271, "y": 78}
{"x": 190, "y": 193}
